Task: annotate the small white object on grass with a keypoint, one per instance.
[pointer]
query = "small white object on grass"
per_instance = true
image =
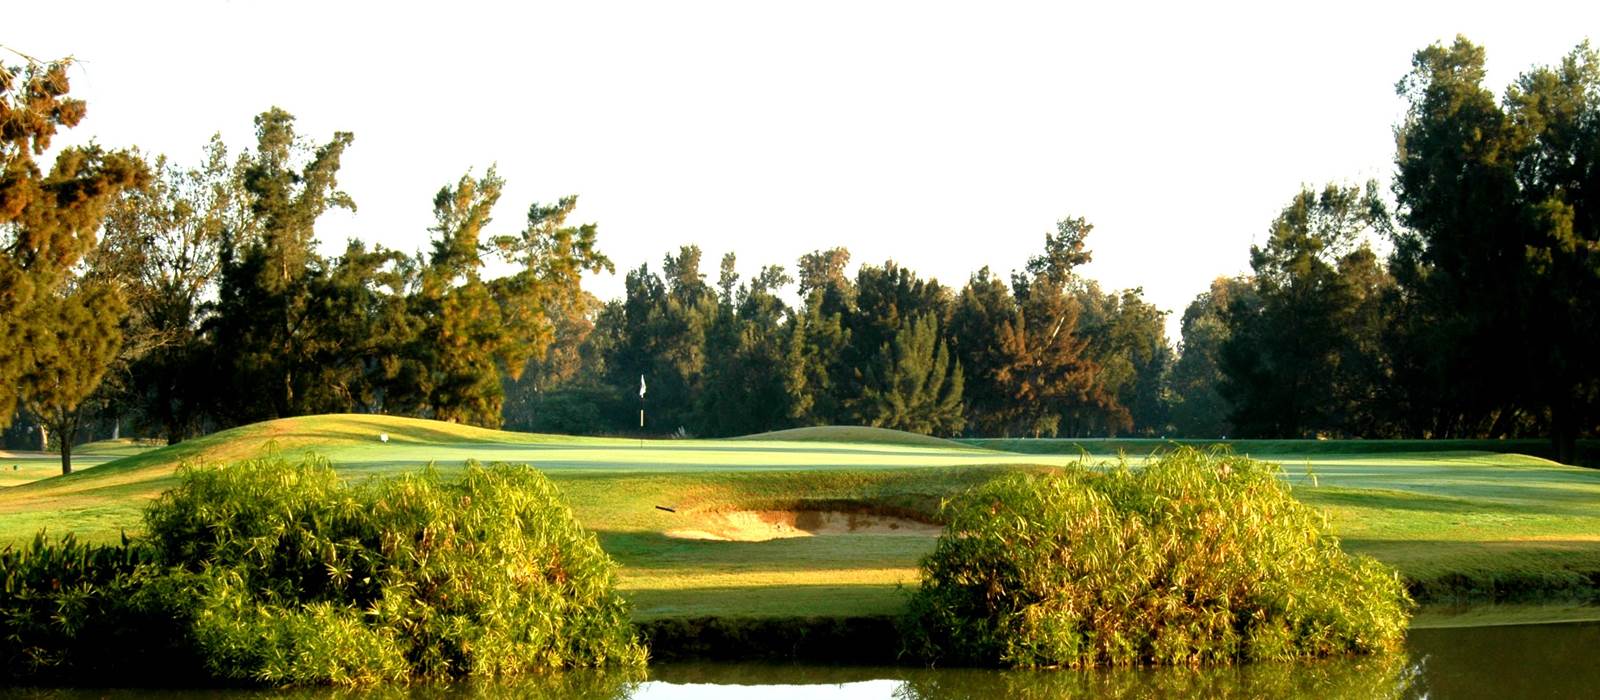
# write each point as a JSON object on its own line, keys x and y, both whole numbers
{"x": 383, "y": 437}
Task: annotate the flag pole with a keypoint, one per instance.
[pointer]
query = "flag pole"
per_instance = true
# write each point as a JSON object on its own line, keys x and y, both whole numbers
{"x": 641, "y": 411}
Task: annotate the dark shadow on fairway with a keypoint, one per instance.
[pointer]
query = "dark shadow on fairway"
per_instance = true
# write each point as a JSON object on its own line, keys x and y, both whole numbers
{"x": 1407, "y": 500}
{"x": 1506, "y": 571}
{"x": 642, "y": 467}
{"x": 654, "y": 550}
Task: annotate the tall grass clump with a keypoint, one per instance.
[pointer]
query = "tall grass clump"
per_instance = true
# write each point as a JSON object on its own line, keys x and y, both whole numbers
{"x": 280, "y": 573}
{"x": 1196, "y": 558}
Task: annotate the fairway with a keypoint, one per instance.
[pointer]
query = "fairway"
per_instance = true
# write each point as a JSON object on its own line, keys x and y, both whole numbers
{"x": 21, "y": 467}
{"x": 1461, "y": 525}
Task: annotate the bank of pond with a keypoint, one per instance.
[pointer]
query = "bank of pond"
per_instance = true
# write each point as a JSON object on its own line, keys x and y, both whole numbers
{"x": 278, "y": 573}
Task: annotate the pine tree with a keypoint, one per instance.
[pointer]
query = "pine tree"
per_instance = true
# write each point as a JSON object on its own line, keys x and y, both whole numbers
{"x": 915, "y": 384}
{"x": 72, "y": 343}
{"x": 262, "y": 328}
{"x": 56, "y": 335}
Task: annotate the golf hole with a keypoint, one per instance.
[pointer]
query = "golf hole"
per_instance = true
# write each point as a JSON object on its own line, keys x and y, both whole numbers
{"x": 763, "y": 525}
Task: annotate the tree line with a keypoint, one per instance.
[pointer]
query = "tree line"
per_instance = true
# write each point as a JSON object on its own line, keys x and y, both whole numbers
{"x": 1043, "y": 352}
{"x": 1483, "y": 320}
{"x": 1461, "y": 303}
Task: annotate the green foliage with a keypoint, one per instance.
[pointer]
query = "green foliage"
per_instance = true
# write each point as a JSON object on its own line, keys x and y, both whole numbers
{"x": 161, "y": 249}
{"x": 1128, "y": 341}
{"x": 1198, "y": 409}
{"x": 914, "y": 385}
{"x": 70, "y": 611}
{"x": 488, "y": 575}
{"x": 264, "y": 330}
{"x": 68, "y": 352}
{"x": 56, "y": 336}
{"x": 1197, "y": 558}
{"x": 664, "y": 323}
{"x": 1499, "y": 260}
{"x": 1028, "y": 357}
{"x": 748, "y": 388}
{"x": 279, "y": 573}
{"x": 1293, "y": 359}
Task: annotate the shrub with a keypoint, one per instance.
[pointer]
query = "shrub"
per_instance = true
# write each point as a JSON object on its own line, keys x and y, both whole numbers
{"x": 280, "y": 573}
{"x": 1199, "y": 557}
{"x": 69, "y": 609}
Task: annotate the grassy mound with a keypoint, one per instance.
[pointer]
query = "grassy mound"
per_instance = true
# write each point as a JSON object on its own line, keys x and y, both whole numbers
{"x": 856, "y": 433}
{"x": 1200, "y": 557}
{"x": 267, "y": 571}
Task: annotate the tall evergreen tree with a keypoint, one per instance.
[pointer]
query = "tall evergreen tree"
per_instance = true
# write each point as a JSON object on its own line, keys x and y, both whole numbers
{"x": 819, "y": 380}
{"x": 666, "y": 319}
{"x": 915, "y": 384}
{"x": 886, "y": 321}
{"x": 264, "y": 314}
{"x": 78, "y": 340}
{"x": 1556, "y": 113}
{"x": 461, "y": 322}
{"x": 1127, "y": 338}
{"x": 1199, "y": 409}
{"x": 59, "y": 331}
{"x": 1498, "y": 258}
{"x": 983, "y": 312}
{"x": 747, "y": 371}
{"x": 1030, "y": 366}
{"x": 48, "y": 221}
{"x": 1284, "y": 360}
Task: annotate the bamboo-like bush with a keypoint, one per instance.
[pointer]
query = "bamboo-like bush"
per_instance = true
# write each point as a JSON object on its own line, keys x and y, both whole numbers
{"x": 280, "y": 573}
{"x": 1195, "y": 558}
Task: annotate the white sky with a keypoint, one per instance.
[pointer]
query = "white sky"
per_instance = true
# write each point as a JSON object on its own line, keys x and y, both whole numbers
{"x": 943, "y": 136}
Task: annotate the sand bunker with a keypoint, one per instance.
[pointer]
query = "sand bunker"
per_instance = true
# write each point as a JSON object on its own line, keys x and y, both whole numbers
{"x": 763, "y": 525}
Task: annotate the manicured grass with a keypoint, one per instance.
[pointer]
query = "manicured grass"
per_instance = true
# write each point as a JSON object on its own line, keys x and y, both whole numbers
{"x": 856, "y": 433}
{"x": 21, "y": 467}
{"x": 1459, "y": 523}
{"x": 1588, "y": 450}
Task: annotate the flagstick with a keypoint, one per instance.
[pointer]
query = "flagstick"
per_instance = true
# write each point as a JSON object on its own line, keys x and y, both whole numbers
{"x": 641, "y": 411}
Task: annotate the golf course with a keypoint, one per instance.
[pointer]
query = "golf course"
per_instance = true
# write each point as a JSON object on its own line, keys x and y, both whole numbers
{"x": 831, "y": 523}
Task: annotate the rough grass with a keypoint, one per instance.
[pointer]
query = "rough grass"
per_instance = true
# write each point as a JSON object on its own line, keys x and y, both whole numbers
{"x": 1461, "y": 525}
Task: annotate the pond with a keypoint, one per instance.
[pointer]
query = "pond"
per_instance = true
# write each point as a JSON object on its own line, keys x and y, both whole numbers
{"x": 1528, "y": 661}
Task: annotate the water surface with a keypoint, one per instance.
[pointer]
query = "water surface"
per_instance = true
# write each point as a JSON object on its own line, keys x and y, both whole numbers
{"x": 1527, "y": 661}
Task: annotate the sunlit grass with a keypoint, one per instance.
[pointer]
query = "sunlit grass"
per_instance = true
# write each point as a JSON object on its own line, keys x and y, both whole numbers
{"x": 1437, "y": 516}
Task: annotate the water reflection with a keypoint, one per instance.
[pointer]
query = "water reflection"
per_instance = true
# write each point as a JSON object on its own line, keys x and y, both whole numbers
{"x": 1372, "y": 677}
{"x": 1522, "y": 662}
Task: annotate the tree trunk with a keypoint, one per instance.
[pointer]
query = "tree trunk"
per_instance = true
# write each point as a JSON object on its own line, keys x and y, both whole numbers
{"x": 66, "y": 433}
{"x": 44, "y": 438}
{"x": 1564, "y": 434}
{"x": 1503, "y": 421}
{"x": 116, "y": 427}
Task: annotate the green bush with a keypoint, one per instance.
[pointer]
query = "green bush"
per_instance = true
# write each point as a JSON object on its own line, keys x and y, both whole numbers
{"x": 1196, "y": 558}
{"x": 69, "y": 610}
{"x": 280, "y": 573}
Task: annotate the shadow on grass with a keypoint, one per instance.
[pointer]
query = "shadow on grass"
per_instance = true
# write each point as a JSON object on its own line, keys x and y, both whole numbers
{"x": 1440, "y": 571}
{"x": 654, "y": 550}
{"x": 1501, "y": 500}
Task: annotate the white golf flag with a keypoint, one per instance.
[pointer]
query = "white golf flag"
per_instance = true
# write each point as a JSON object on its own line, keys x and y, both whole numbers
{"x": 641, "y": 386}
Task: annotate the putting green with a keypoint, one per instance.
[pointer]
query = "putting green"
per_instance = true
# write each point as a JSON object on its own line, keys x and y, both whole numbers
{"x": 1464, "y": 524}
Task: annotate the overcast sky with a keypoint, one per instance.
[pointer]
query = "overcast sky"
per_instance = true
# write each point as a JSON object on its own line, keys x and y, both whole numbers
{"x": 943, "y": 136}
